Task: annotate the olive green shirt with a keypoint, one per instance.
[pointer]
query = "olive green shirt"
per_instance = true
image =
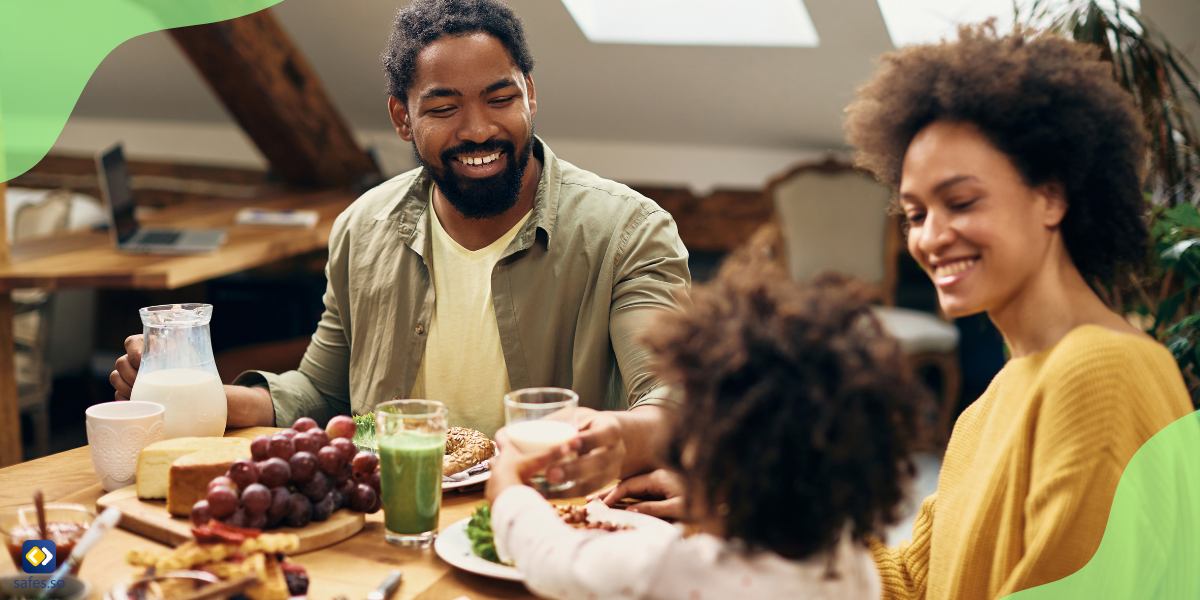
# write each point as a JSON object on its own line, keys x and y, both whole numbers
{"x": 583, "y": 278}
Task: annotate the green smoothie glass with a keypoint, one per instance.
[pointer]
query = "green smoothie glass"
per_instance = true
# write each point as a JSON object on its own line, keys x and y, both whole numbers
{"x": 412, "y": 440}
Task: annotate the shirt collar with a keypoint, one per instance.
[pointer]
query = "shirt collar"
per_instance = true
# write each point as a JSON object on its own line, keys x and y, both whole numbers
{"x": 409, "y": 208}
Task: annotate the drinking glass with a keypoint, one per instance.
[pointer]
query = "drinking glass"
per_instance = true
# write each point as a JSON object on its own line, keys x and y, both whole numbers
{"x": 538, "y": 420}
{"x": 65, "y": 523}
{"x": 412, "y": 441}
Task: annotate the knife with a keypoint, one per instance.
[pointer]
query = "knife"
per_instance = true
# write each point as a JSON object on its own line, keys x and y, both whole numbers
{"x": 388, "y": 587}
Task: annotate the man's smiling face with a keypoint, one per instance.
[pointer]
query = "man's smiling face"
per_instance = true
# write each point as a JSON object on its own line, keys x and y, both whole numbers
{"x": 469, "y": 115}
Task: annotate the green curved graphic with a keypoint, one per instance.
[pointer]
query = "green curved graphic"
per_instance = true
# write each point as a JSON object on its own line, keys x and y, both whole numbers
{"x": 50, "y": 48}
{"x": 1151, "y": 545}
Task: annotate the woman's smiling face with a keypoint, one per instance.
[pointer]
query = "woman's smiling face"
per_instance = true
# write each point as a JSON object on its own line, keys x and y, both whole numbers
{"x": 974, "y": 224}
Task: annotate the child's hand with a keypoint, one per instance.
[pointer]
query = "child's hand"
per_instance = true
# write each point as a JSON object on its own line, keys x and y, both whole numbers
{"x": 601, "y": 451}
{"x": 512, "y": 467}
{"x": 661, "y": 493}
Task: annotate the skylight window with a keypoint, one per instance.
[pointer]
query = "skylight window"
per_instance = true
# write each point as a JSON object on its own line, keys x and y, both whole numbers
{"x": 928, "y": 21}
{"x": 695, "y": 22}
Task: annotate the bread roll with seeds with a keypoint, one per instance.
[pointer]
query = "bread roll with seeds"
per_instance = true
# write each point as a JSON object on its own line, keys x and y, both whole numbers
{"x": 465, "y": 448}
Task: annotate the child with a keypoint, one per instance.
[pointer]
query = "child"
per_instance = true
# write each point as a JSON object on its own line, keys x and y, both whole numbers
{"x": 792, "y": 445}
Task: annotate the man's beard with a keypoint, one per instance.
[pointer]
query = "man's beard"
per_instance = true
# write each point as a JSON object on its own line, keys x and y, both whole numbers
{"x": 481, "y": 198}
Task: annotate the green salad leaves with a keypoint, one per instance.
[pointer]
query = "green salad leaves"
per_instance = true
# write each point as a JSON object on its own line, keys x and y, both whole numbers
{"x": 364, "y": 438}
{"x": 479, "y": 531}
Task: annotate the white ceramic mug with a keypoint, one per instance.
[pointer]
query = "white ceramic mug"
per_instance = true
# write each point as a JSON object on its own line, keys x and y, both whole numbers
{"x": 117, "y": 432}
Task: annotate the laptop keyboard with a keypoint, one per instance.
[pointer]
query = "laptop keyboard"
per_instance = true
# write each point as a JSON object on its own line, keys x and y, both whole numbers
{"x": 160, "y": 238}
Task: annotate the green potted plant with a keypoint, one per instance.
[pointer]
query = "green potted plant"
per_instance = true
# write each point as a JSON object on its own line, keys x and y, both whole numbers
{"x": 1164, "y": 299}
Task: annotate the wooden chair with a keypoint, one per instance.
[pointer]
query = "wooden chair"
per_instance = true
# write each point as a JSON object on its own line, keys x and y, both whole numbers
{"x": 834, "y": 218}
{"x": 31, "y": 318}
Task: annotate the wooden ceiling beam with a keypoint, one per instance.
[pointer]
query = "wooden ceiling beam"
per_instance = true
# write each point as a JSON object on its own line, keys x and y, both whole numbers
{"x": 275, "y": 95}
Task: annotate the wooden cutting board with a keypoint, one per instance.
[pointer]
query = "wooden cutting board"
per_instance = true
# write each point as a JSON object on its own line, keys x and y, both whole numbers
{"x": 150, "y": 519}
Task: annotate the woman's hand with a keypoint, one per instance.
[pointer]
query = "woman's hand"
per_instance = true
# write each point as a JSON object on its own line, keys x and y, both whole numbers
{"x": 661, "y": 492}
{"x": 512, "y": 467}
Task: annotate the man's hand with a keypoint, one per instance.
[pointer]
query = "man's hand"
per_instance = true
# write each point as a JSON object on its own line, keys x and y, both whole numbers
{"x": 511, "y": 467}
{"x": 661, "y": 492}
{"x": 600, "y": 447}
{"x": 247, "y": 406}
{"x": 127, "y": 368}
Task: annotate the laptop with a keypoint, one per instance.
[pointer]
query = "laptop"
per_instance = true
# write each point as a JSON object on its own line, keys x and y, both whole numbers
{"x": 127, "y": 234}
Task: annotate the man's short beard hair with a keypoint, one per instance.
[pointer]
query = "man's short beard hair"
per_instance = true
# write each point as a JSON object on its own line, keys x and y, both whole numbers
{"x": 481, "y": 198}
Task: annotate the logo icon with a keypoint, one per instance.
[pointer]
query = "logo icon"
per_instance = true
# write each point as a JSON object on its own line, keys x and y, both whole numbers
{"x": 38, "y": 556}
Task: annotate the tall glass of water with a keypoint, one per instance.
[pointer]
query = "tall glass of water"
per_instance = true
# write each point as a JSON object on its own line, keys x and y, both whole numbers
{"x": 412, "y": 441}
{"x": 538, "y": 420}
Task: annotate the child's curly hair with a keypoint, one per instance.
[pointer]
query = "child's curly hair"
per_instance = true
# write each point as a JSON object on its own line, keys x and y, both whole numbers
{"x": 1048, "y": 103}
{"x": 799, "y": 415}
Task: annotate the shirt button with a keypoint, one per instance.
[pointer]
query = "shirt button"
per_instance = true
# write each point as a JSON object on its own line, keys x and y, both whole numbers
{"x": 420, "y": 330}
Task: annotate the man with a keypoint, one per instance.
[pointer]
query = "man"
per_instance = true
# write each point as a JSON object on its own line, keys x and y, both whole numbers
{"x": 494, "y": 266}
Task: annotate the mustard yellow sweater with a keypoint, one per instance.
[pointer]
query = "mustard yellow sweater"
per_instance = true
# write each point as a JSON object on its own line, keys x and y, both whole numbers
{"x": 1032, "y": 466}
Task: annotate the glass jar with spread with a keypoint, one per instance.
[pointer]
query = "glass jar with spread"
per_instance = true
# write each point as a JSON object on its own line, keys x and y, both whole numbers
{"x": 65, "y": 524}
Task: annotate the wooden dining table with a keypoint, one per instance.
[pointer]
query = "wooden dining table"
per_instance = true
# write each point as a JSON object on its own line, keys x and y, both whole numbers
{"x": 349, "y": 569}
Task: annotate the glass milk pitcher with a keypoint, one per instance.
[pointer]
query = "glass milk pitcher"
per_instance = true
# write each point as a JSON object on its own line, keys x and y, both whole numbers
{"x": 178, "y": 370}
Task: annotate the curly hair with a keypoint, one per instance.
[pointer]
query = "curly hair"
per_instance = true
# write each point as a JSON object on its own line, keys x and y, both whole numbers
{"x": 426, "y": 21}
{"x": 1049, "y": 104}
{"x": 799, "y": 414}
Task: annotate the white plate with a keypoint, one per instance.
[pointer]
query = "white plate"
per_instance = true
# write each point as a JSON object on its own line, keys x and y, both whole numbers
{"x": 599, "y": 511}
{"x": 472, "y": 480}
{"x": 447, "y": 485}
{"x": 453, "y": 545}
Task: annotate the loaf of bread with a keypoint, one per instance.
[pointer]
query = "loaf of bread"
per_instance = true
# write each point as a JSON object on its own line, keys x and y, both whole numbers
{"x": 154, "y": 462}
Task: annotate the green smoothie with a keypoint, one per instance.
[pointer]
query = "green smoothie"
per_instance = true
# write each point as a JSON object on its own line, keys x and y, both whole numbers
{"x": 410, "y": 473}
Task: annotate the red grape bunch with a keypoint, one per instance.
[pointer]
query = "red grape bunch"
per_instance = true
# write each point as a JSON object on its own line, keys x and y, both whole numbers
{"x": 294, "y": 477}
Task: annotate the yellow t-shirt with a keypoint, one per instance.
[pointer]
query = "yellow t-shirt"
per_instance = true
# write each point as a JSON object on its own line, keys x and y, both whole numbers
{"x": 1029, "y": 476}
{"x": 463, "y": 366}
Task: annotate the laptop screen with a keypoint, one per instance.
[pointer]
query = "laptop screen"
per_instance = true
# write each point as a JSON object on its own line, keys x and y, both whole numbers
{"x": 114, "y": 183}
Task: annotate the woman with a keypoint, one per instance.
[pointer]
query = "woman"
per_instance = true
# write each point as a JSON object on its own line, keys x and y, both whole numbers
{"x": 1017, "y": 161}
{"x": 1017, "y": 164}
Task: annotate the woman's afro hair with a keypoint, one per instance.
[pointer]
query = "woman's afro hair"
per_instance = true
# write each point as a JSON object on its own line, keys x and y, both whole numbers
{"x": 1050, "y": 104}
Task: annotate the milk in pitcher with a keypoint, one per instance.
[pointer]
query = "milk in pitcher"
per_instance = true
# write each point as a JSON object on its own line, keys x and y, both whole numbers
{"x": 195, "y": 401}
{"x": 178, "y": 370}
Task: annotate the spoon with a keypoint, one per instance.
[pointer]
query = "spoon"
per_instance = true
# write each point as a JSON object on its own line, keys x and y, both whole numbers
{"x": 106, "y": 521}
{"x": 39, "y": 502}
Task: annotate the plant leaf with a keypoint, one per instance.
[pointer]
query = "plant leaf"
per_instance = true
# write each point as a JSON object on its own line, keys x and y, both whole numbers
{"x": 1180, "y": 67}
{"x": 1183, "y": 257}
{"x": 1162, "y": 230}
{"x": 1184, "y": 214}
{"x": 1179, "y": 347}
{"x": 1187, "y": 323}
{"x": 1166, "y": 310}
